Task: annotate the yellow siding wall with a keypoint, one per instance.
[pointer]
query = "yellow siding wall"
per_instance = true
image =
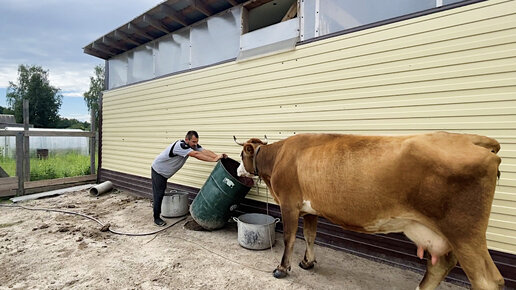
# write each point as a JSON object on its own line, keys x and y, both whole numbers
{"x": 454, "y": 70}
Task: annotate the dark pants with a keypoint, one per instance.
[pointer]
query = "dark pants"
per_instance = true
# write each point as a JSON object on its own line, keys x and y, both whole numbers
{"x": 159, "y": 184}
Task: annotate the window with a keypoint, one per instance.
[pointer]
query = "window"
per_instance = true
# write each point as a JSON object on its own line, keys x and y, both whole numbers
{"x": 260, "y": 15}
{"x": 268, "y": 27}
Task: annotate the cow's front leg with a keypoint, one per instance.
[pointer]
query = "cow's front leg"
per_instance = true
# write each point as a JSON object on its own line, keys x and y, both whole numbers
{"x": 309, "y": 231}
{"x": 290, "y": 217}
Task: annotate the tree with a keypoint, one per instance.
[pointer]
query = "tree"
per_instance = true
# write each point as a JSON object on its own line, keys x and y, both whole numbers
{"x": 6, "y": 111}
{"x": 92, "y": 96}
{"x": 65, "y": 123}
{"x": 44, "y": 99}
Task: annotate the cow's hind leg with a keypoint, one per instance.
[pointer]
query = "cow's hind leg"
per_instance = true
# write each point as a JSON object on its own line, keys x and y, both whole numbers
{"x": 309, "y": 231}
{"x": 290, "y": 220}
{"x": 478, "y": 265}
{"x": 436, "y": 273}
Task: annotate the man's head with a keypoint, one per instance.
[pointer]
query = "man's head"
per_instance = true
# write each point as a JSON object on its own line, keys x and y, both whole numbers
{"x": 192, "y": 139}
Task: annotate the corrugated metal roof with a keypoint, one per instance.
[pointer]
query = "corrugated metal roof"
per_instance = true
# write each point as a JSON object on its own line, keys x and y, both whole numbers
{"x": 42, "y": 129}
{"x": 161, "y": 20}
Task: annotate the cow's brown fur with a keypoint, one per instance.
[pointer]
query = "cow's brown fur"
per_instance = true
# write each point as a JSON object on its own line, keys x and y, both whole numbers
{"x": 442, "y": 181}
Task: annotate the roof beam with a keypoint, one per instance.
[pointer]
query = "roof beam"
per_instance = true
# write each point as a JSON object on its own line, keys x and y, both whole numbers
{"x": 232, "y": 2}
{"x": 103, "y": 48}
{"x": 201, "y": 7}
{"x": 291, "y": 13}
{"x": 172, "y": 14}
{"x": 139, "y": 31}
{"x": 96, "y": 53}
{"x": 155, "y": 23}
{"x": 124, "y": 36}
{"x": 109, "y": 42}
{"x": 255, "y": 3}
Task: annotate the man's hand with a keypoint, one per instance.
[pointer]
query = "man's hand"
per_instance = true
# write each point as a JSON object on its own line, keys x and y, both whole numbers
{"x": 207, "y": 155}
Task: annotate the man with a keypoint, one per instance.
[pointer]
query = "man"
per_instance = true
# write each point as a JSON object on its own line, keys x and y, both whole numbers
{"x": 168, "y": 162}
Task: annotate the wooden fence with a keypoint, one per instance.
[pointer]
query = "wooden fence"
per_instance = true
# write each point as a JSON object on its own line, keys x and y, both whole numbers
{"x": 21, "y": 184}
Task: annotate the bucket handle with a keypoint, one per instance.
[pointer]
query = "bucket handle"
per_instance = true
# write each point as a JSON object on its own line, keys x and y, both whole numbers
{"x": 276, "y": 220}
{"x": 177, "y": 195}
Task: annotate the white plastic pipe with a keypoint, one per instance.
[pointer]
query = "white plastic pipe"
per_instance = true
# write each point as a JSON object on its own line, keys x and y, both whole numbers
{"x": 101, "y": 188}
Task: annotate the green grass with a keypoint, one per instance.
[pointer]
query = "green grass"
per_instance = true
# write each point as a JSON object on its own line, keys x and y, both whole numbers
{"x": 55, "y": 166}
{"x": 5, "y": 200}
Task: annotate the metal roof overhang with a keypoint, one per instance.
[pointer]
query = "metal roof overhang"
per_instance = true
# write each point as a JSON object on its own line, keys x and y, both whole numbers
{"x": 166, "y": 17}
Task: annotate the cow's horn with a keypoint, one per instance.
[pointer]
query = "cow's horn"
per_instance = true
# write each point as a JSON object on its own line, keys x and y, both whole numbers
{"x": 239, "y": 143}
{"x": 266, "y": 140}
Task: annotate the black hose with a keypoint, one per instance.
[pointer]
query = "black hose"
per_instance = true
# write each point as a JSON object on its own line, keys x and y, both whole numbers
{"x": 105, "y": 227}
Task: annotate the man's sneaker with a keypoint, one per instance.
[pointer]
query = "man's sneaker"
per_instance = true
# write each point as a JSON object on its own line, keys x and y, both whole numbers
{"x": 159, "y": 222}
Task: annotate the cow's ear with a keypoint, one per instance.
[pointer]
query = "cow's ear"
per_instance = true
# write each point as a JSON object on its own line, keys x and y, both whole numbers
{"x": 248, "y": 148}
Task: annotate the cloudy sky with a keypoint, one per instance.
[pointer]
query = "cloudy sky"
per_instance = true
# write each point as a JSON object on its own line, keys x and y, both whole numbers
{"x": 52, "y": 33}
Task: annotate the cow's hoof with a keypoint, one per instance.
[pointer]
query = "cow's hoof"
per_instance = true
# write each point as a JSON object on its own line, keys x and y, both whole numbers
{"x": 279, "y": 273}
{"x": 305, "y": 265}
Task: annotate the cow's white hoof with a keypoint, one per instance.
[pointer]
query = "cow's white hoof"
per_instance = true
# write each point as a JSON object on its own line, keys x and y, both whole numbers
{"x": 279, "y": 273}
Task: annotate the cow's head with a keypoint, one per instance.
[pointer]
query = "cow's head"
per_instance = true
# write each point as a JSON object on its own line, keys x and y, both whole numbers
{"x": 250, "y": 148}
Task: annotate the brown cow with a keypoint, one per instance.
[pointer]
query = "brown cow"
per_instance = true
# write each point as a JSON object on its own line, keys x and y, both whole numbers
{"x": 436, "y": 188}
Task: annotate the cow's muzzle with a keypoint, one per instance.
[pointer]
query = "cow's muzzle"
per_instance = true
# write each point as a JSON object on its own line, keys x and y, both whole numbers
{"x": 242, "y": 172}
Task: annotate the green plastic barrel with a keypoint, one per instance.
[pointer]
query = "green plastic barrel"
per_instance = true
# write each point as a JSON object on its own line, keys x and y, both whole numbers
{"x": 222, "y": 190}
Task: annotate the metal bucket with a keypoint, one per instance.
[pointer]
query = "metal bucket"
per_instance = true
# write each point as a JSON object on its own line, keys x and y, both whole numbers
{"x": 175, "y": 203}
{"x": 256, "y": 231}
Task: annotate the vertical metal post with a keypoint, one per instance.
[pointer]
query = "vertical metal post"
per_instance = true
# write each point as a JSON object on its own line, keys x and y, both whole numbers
{"x": 19, "y": 163}
{"x": 92, "y": 143}
{"x": 301, "y": 16}
{"x": 317, "y": 18}
{"x": 106, "y": 75}
{"x": 98, "y": 136}
{"x": 26, "y": 152}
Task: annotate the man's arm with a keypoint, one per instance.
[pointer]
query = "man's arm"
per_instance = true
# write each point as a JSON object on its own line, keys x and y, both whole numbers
{"x": 209, "y": 153}
{"x": 205, "y": 156}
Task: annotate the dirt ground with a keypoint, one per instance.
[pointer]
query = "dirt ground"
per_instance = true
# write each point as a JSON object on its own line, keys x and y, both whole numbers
{"x": 48, "y": 250}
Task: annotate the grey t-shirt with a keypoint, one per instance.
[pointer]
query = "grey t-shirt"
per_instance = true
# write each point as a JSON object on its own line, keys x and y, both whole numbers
{"x": 168, "y": 162}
